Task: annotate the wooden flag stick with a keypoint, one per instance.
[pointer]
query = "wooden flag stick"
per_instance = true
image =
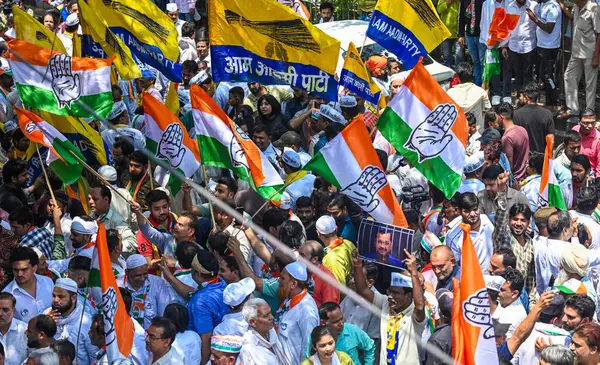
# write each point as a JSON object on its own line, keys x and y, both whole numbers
{"x": 37, "y": 147}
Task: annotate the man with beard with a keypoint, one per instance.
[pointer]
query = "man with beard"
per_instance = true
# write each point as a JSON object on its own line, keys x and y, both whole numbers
{"x": 580, "y": 177}
{"x": 33, "y": 292}
{"x": 61, "y": 202}
{"x": 510, "y": 231}
{"x": 579, "y": 309}
{"x": 12, "y": 331}
{"x": 338, "y": 258}
{"x": 40, "y": 332}
{"x": 297, "y": 103}
{"x": 121, "y": 151}
{"x": 99, "y": 201}
{"x": 338, "y": 209}
{"x": 14, "y": 175}
{"x": 494, "y": 179}
{"x": 82, "y": 230}
{"x": 79, "y": 272}
{"x": 492, "y": 151}
{"x": 72, "y": 322}
{"x": 137, "y": 182}
{"x": 321, "y": 291}
{"x": 306, "y": 212}
{"x": 225, "y": 223}
{"x": 481, "y": 229}
{"x": 149, "y": 292}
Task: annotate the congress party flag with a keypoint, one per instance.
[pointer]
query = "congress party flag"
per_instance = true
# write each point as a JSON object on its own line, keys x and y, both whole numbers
{"x": 58, "y": 83}
{"x": 350, "y": 162}
{"x": 168, "y": 139}
{"x": 550, "y": 193}
{"x": 429, "y": 129}
{"x": 59, "y": 158}
{"x": 30, "y": 30}
{"x": 473, "y": 341}
{"x": 99, "y": 41}
{"x": 223, "y": 144}
{"x": 499, "y": 31}
{"x": 267, "y": 42}
{"x": 356, "y": 78}
{"x": 118, "y": 325}
{"x": 408, "y": 28}
{"x": 147, "y": 31}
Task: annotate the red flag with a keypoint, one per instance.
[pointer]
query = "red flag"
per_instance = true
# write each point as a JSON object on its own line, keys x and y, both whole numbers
{"x": 501, "y": 26}
{"x": 473, "y": 341}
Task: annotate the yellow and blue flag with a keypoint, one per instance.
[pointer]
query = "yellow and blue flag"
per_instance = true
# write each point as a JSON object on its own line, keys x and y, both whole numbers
{"x": 148, "y": 32}
{"x": 30, "y": 30}
{"x": 266, "y": 42}
{"x": 356, "y": 78}
{"x": 408, "y": 28}
{"x": 100, "y": 42}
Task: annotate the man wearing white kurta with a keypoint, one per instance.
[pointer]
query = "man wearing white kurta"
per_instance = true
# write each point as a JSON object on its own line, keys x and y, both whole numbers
{"x": 235, "y": 295}
{"x": 298, "y": 314}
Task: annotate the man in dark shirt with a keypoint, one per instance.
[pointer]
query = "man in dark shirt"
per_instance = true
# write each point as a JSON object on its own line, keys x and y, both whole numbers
{"x": 537, "y": 121}
{"x": 15, "y": 178}
{"x": 441, "y": 337}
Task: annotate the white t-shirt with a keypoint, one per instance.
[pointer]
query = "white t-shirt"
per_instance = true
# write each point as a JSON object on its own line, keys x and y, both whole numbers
{"x": 482, "y": 240}
{"x": 549, "y": 12}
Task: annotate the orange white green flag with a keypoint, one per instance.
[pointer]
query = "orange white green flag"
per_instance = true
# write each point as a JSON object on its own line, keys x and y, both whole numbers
{"x": 223, "y": 144}
{"x": 429, "y": 129}
{"x": 550, "y": 193}
{"x": 58, "y": 83}
{"x": 168, "y": 139}
{"x": 473, "y": 340}
{"x": 350, "y": 162}
{"x": 118, "y": 325}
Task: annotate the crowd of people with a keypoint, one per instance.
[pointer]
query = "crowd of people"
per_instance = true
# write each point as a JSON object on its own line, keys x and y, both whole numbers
{"x": 202, "y": 286}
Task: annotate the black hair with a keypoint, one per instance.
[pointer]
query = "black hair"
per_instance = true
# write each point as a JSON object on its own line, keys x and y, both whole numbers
{"x": 332, "y": 130}
{"x": 337, "y": 201}
{"x": 8, "y": 296}
{"x": 13, "y": 168}
{"x": 104, "y": 192}
{"x": 587, "y": 112}
{"x": 316, "y": 335}
{"x": 582, "y": 160}
{"x": 139, "y": 157}
{"x": 464, "y": 71}
{"x": 291, "y": 234}
{"x": 326, "y": 5}
{"x": 556, "y": 227}
{"x": 227, "y": 201}
{"x": 436, "y": 194}
{"x": 208, "y": 261}
{"x": 218, "y": 242}
{"x": 168, "y": 328}
{"x": 22, "y": 215}
{"x": 571, "y": 136}
{"x": 112, "y": 239}
{"x": 586, "y": 199}
{"x": 193, "y": 220}
{"x": 383, "y": 158}
{"x": 124, "y": 145}
{"x": 22, "y": 253}
{"x": 492, "y": 172}
{"x": 371, "y": 271}
{"x": 412, "y": 216}
{"x": 190, "y": 65}
{"x": 325, "y": 308}
{"x": 188, "y": 30}
{"x": 532, "y": 91}
{"x": 517, "y": 282}
{"x": 262, "y": 128}
{"x": 471, "y": 120}
{"x": 508, "y": 257}
{"x": 155, "y": 196}
{"x": 506, "y": 110}
{"x": 274, "y": 103}
{"x": 274, "y": 218}
{"x": 520, "y": 208}
{"x": 303, "y": 202}
{"x": 64, "y": 348}
{"x": 237, "y": 91}
{"x": 80, "y": 263}
{"x": 582, "y": 304}
{"x": 536, "y": 161}
{"x": 178, "y": 314}
{"x": 45, "y": 323}
{"x": 127, "y": 298}
{"x": 230, "y": 182}
{"x": 185, "y": 253}
{"x": 231, "y": 263}
{"x": 466, "y": 201}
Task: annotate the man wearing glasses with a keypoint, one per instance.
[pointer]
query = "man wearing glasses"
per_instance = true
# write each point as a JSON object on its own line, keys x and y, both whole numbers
{"x": 590, "y": 139}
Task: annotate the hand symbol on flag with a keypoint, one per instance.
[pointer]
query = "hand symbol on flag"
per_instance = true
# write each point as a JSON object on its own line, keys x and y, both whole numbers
{"x": 109, "y": 310}
{"x": 169, "y": 147}
{"x": 432, "y": 136}
{"x": 477, "y": 312}
{"x": 364, "y": 190}
{"x": 65, "y": 85}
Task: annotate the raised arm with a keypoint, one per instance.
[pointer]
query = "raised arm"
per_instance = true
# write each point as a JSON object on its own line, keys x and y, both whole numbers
{"x": 360, "y": 281}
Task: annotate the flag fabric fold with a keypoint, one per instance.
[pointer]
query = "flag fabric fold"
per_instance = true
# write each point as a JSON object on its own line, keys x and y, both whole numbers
{"x": 473, "y": 340}
{"x": 356, "y": 78}
{"x": 267, "y": 42}
{"x": 58, "y": 83}
{"x": 168, "y": 139}
{"x": 350, "y": 163}
{"x": 500, "y": 27}
{"x": 550, "y": 193}
{"x": 30, "y": 30}
{"x": 118, "y": 325}
{"x": 225, "y": 145}
{"x": 408, "y": 28}
{"x": 429, "y": 129}
{"x": 59, "y": 158}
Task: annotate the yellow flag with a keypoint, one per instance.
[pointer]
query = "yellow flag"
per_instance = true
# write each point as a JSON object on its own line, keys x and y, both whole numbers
{"x": 172, "y": 99}
{"x": 100, "y": 42}
{"x": 356, "y": 78}
{"x": 30, "y": 30}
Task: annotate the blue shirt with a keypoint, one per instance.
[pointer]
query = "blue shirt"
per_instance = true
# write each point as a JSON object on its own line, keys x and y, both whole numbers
{"x": 320, "y": 143}
{"x": 206, "y": 308}
{"x": 348, "y": 231}
{"x": 351, "y": 340}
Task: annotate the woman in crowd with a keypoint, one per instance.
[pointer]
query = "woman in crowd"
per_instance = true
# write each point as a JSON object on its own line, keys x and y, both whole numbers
{"x": 323, "y": 350}
{"x": 269, "y": 114}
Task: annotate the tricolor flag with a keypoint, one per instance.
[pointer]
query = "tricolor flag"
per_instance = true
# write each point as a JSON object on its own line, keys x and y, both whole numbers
{"x": 408, "y": 28}
{"x": 59, "y": 158}
{"x": 550, "y": 193}
{"x": 500, "y": 27}
{"x": 168, "y": 139}
{"x": 225, "y": 145}
{"x": 429, "y": 129}
{"x": 356, "y": 78}
{"x": 58, "y": 83}
{"x": 473, "y": 341}
{"x": 118, "y": 325}
{"x": 350, "y": 162}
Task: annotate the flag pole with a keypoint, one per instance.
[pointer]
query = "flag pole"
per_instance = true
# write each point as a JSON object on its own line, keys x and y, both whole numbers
{"x": 210, "y": 205}
{"x": 268, "y": 200}
{"x": 37, "y": 147}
